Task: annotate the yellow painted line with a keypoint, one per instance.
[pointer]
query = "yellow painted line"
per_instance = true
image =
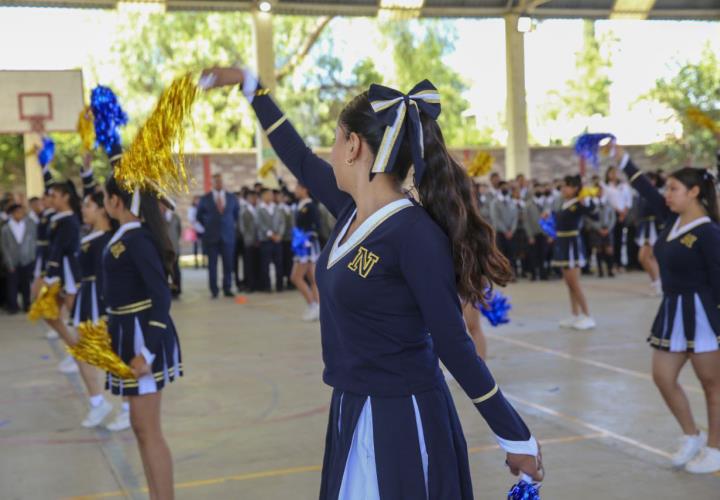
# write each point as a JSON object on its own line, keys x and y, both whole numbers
{"x": 585, "y": 361}
{"x": 596, "y": 428}
{"x": 310, "y": 468}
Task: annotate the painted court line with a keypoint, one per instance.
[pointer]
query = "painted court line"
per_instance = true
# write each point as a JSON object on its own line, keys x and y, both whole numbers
{"x": 585, "y": 361}
{"x": 313, "y": 468}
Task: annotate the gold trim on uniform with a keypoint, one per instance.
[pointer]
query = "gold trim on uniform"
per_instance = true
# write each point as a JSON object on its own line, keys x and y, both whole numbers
{"x": 157, "y": 323}
{"x": 635, "y": 176}
{"x": 566, "y": 234}
{"x": 131, "y": 308}
{"x": 132, "y": 383}
{"x": 275, "y": 125}
{"x": 89, "y": 278}
{"x": 52, "y": 263}
{"x": 487, "y": 396}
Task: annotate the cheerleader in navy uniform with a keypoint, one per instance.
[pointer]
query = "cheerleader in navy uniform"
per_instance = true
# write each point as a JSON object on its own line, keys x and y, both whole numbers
{"x": 687, "y": 326}
{"x": 568, "y": 251}
{"x": 136, "y": 264}
{"x": 89, "y": 304}
{"x": 43, "y": 241}
{"x": 62, "y": 259}
{"x": 307, "y": 220}
{"x": 647, "y": 232}
{"x": 389, "y": 282}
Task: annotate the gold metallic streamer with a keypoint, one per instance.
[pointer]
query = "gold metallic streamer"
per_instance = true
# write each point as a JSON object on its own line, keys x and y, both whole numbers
{"x": 94, "y": 348}
{"x": 150, "y": 162}
{"x": 589, "y": 192}
{"x": 86, "y": 128}
{"x": 266, "y": 168}
{"x": 481, "y": 164}
{"x": 47, "y": 303}
{"x": 702, "y": 119}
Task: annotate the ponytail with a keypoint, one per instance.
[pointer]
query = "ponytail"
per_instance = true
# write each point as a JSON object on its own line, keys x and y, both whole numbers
{"x": 152, "y": 219}
{"x": 705, "y": 181}
{"x": 446, "y": 194}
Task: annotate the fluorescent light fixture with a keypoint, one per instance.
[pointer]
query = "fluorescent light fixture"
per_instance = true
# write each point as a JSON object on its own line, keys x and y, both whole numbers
{"x": 632, "y": 9}
{"x": 142, "y": 6}
{"x": 401, "y": 4}
{"x": 524, "y": 24}
{"x": 265, "y": 6}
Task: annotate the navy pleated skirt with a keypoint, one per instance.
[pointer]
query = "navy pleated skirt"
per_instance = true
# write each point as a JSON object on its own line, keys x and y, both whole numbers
{"x": 395, "y": 448}
{"x": 686, "y": 322}
{"x": 568, "y": 252}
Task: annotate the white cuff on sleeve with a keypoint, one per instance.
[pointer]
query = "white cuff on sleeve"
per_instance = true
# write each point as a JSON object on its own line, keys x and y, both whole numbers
{"x": 624, "y": 161}
{"x": 250, "y": 84}
{"x": 529, "y": 447}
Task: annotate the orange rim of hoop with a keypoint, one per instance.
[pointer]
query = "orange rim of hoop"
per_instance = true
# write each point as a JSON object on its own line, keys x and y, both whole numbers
{"x": 37, "y": 123}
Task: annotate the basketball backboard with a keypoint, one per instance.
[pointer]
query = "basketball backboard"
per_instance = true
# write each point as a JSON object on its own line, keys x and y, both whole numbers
{"x": 29, "y": 100}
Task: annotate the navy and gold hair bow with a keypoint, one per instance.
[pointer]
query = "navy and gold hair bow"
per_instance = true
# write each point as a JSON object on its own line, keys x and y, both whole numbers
{"x": 393, "y": 108}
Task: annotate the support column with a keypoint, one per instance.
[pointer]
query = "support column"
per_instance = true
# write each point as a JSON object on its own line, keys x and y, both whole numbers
{"x": 34, "y": 185}
{"x": 517, "y": 151}
{"x": 265, "y": 67}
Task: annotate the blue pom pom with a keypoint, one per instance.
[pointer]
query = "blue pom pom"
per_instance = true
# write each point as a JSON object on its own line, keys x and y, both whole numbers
{"x": 524, "y": 491}
{"x": 588, "y": 145}
{"x": 497, "y": 309}
{"x": 548, "y": 226}
{"x": 109, "y": 116}
{"x": 47, "y": 152}
{"x": 301, "y": 244}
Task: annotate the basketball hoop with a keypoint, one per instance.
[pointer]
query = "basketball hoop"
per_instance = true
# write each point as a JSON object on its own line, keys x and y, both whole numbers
{"x": 37, "y": 124}
{"x": 35, "y": 108}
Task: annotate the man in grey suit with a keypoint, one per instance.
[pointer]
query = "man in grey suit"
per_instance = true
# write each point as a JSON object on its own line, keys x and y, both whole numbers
{"x": 18, "y": 240}
{"x": 249, "y": 230}
{"x": 271, "y": 226}
{"x": 505, "y": 216}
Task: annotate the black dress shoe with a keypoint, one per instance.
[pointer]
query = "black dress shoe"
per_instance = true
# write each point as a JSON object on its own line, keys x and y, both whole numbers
{"x": 228, "y": 293}
{"x": 214, "y": 295}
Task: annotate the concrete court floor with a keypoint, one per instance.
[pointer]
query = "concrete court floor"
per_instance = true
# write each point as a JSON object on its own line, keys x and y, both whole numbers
{"x": 248, "y": 419}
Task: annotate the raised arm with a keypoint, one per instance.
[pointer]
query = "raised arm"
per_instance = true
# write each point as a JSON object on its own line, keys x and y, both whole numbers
{"x": 307, "y": 167}
{"x": 643, "y": 186}
{"x": 436, "y": 294}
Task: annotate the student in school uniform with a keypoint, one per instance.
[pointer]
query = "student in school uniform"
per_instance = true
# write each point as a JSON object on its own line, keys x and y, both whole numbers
{"x": 569, "y": 254}
{"x": 505, "y": 217}
{"x": 520, "y": 243}
{"x": 484, "y": 198}
{"x": 17, "y": 246}
{"x": 535, "y": 209}
{"x": 174, "y": 227}
{"x": 601, "y": 232}
{"x": 386, "y": 315}
{"x": 271, "y": 226}
{"x": 285, "y": 204}
{"x": 249, "y": 230}
{"x": 648, "y": 227}
{"x": 687, "y": 326}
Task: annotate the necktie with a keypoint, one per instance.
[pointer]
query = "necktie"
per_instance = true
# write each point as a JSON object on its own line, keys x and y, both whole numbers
{"x": 219, "y": 202}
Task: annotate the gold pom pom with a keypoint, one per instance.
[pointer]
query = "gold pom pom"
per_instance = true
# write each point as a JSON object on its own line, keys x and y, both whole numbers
{"x": 481, "y": 164}
{"x": 266, "y": 168}
{"x": 150, "y": 162}
{"x": 589, "y": 192}
{"x": 47, "y": 303}
{"x": 86, "y": 128}
{"x": 702, "y": 119}
{"x": 94, "y": 348}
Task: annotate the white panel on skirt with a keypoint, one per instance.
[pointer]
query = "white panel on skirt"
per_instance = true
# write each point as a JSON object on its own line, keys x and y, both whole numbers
{"x": 705, "y": 338}
{"x": 70, "y": 285}
{"x": 146, "y": 383}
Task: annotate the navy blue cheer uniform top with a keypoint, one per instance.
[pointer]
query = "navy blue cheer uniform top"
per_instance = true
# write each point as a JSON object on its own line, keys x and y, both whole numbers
{"x": 43, "y": 242}
{"x": 689, "y": 259}
{"x": 389, "y": 308}
{"x": 89, "y": 303}
{"x": 568, "y": 251}
{"x": 62, "y": 257}
{"x": 137, "y": 297}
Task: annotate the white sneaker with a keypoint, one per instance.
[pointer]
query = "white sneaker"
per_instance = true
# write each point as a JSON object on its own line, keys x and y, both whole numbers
{"x": 569, "y": 322}
{"x": 96, "y": 415}
{"x": 706, "y": 462}
{"x": 68, "y": 365}
{"x": 688, "y": 448}
{"x": 584, "y": 323}
{"x": 312, "y": 313}
{"x": 656, "y": 289}
{"x": 120, "y": 423}
{"x": 51, "y": 335}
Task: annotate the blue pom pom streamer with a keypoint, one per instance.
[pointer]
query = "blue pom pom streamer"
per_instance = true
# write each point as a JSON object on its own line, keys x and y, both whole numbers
{"x": 496, "y": 310}
{"x": 524, "y": 491}
{"x": 548, "y": 226}
{"x": 588, "y": 145}
{"x": 301, "y": 243}
{"x": 109, "y": 116}
{"x": 47, "y": 152}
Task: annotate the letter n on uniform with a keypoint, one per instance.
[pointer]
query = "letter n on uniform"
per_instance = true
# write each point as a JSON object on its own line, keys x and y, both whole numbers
{"x": 363, "y": 262}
